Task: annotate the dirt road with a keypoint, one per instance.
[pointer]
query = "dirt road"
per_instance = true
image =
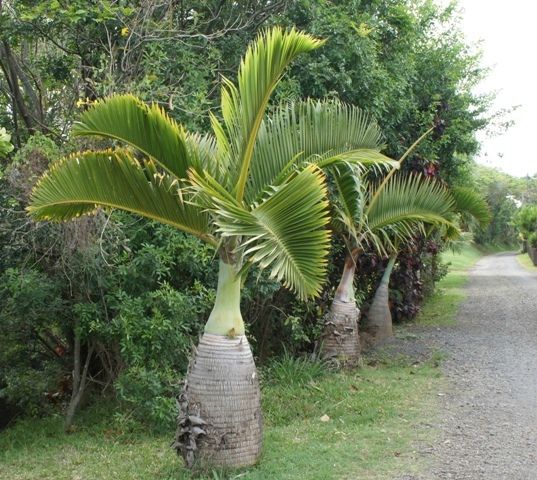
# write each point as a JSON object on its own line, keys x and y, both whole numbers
{"x": 488, "y": 423}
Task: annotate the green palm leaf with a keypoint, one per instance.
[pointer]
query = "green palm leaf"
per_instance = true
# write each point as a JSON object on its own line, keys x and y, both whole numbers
{"x": 286, "y": 232}
{"x": 347, "y": 199}
{"x": 79, "y": 184}
{"x": 404, "y": 204}
{"x": 469, "y": 202}
{"x": 148, "y": 129}
{"x": 257, "y": 186}
{"x": 243, "y": 107}
{"x": 321, "y": 132}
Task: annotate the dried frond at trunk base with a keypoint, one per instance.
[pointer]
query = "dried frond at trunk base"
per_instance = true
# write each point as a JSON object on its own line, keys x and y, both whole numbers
{"x": 340, "y": 342}
{"x": 220, "y": 420}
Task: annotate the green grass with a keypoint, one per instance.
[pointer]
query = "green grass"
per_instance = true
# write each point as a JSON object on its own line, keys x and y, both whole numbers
{"x": 526, "y": 262}
{"x": 376, "y": 414}
{"x": 440, "y": 309}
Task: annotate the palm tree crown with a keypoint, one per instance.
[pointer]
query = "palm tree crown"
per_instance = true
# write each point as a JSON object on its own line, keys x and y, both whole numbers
{"x": 253, "y": 188}
{"x": 369, "y": 214}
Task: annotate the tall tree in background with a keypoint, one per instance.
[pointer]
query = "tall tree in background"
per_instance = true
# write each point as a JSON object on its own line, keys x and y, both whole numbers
{"x": 57, "y": 55}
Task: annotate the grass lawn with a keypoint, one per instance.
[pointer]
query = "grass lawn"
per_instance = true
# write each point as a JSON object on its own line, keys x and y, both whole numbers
{"x": 376, "y": 414}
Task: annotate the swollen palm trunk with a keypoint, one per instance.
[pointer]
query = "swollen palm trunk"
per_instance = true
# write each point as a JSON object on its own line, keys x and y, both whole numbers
{"x": 339, "y": 341}
{"x": 220, "y": 422}
{"x": 379, "y": 319}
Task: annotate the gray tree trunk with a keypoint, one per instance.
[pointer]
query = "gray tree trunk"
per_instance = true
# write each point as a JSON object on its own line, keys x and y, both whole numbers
{"x": 220, "y": 419}
{"x": 79, "y": 380}
{"x": 339, "y": 342}
{"x": 379, "y": 319}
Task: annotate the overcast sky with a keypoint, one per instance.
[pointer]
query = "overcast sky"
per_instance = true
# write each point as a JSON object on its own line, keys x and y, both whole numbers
{"x": 508, "y": 31}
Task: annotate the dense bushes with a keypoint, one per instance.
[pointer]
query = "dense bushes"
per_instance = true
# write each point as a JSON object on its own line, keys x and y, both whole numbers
{"x": 505, "y": 195}
{"x": 526, "y": 222}
{"x": 30, "y": 319}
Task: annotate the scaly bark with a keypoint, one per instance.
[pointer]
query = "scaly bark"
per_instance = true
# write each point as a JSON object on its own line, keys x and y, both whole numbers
{"x": 220, "y": 420}
{"x": 379, "y": 319}
{"x": 339, "y": 341}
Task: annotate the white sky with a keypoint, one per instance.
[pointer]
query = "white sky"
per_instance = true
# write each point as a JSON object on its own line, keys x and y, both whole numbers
{"x": 508, "y": 31}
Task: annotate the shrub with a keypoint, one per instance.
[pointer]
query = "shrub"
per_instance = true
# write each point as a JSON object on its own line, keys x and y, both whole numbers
{"x": 31, "y": 346}
{"x": 292, "y": 371}
{"x": 526, "y": 220}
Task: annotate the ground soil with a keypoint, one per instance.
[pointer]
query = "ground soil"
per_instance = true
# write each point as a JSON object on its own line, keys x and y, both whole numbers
{"x": 488, "y": 421}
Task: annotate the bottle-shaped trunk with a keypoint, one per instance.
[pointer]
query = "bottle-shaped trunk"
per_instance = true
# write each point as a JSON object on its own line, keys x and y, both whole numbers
{"x": 379, "y": 319}
{"x": 339, "y": 342}
{"x": 220, "y": 420}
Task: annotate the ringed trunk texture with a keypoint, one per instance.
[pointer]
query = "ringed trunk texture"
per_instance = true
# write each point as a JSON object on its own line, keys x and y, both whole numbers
{"x": 339, "y": 342}
{"x": 379, "y": 319}
{"x": 220, "y": 420}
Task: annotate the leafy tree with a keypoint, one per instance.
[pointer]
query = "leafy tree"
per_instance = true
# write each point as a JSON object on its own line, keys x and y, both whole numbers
{"x": 240, "y": 191}
{"x": 526, "y": 222}
{"x": 406, "y": 64}
{"x": 465, "y": 202}
{"x": 375, "y": 216}
{"x": 503, "y": 194}
{"x": 58, "y": 56}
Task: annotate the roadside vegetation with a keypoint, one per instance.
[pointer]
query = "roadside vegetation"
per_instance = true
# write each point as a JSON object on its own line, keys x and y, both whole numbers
{"x": 441, "y": 308}
{"x": 526, "y": 262}
{"x": 366, "y": 422}
{"x": 237, "y": 178}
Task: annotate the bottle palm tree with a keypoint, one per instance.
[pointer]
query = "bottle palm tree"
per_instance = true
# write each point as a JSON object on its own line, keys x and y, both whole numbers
{"x": 466, "y": 203}
{"x": 377, "y": 217}
{"x": 253, "y": 189}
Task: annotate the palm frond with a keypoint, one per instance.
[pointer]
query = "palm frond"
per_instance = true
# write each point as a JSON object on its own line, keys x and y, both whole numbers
{"x": 244, "y": 105}
{"x": 79, "y": 184}
{"x": 321, "y": 132}
{"x": 404, "y": 205}
{"x": 470, "y": 202}
{"x": 286, "y": 232}
{"x": 347, "y": 199}
{"x": 147, "y": 128}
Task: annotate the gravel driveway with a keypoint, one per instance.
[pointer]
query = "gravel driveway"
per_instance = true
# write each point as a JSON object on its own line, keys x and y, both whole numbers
{"x": 488, "y": 425}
